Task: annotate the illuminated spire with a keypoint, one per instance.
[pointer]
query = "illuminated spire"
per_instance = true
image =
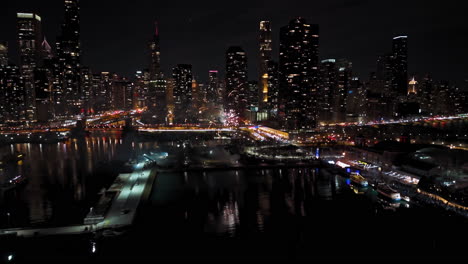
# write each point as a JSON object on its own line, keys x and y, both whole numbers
{"x": 45, "y": 46}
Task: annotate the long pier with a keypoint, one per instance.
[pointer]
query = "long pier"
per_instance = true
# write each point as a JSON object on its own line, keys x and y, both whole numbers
{"x": 131, "y": 187}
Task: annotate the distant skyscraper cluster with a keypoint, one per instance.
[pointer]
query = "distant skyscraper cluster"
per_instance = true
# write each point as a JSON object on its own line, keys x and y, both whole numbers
{"x": 298, "y": 92}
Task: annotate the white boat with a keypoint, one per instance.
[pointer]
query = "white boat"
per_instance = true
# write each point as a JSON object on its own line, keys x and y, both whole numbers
{"x": 388, "y": 192}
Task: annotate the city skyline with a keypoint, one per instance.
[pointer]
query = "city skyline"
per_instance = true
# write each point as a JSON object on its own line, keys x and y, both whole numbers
{"x": 342, "y": 35}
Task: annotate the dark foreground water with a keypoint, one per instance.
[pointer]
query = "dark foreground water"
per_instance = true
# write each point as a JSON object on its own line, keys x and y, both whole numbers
{"x": 278, "y": 214}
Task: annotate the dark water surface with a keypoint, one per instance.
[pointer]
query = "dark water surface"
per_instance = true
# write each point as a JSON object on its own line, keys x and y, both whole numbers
{"x": 265, "y": 214}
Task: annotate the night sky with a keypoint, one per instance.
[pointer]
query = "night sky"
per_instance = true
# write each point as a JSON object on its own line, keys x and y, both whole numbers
{"x": 115, "y": 33}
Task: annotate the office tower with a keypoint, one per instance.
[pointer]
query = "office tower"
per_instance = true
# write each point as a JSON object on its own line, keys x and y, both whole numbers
{"x": 425, "y": 95}
{"x": 118, "y": 87}
{"x": 212, "y": 96}
{"x": 156, "y": 100}
{"x": 355, "y": 101}
{"x": 86, "y": 84}
{"x": 43, "y": 86}
{"x": 3, "y": 53}
{"x": 197, "y": 98}
{"x": 103, "y": 90}
{"x": 11, "y": 94}
{"x": 140, "y": 88}
{"x": 252, "y": 101}
{"x": 182, "y": 75}
{"x": 384, "y": 75}
{"x": 29, "y": 44}
{"x": 236, "y": 81}
{"x": 328, "y": 86}
{"x": 155, "y": 52}
{"x": 222, "y": 94}
{"x": 69, "y": 56}
{"x": 400, "y": 65}
{"x": 265, "y": 50}
{"x": 344, "y": 77}
{"x": 441, "y": 98}
{"x": 456, "y": 100}
{"x": 298, "y": 67}
{"x": 161, "y": 100}
{"x": 170, "y": 100}
{"x": 273, "y": 88}
{"x": 156, "y": 93}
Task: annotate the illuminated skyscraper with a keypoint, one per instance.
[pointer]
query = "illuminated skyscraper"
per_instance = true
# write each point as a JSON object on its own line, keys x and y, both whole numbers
{"x": 265, "y": 49}
{"x": 29, "y": 42}
{"x": 182, "y": 75}
{"x": 157, "y": 86}
{"x": 328, "y": 85}
{"x": 3, "y": 53}
{"x": 298, "y": 67}
{"x": 344, "y": 77}
{"x": 11, "y": 94}
{"x": 400, "y": 66}
{"x": 69, "y": 56}
{"x": 213, "y": 87}
{"x": 273, "y": 88}
{"x": 236, "y": 80}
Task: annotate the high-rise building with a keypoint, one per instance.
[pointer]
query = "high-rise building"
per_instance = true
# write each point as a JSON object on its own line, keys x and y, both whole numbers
{"x": 400, "y": 66}
{"x": 252, "y": 101}
{"x": 273, "y": 88}
{"x": 86, "y": 84}
{"x": 384, "y": 75}
{"x": 11, "y": 94}
{"x": 298, "y": 67}
{"x": 29, "y": 44}
{"x": 157, "y": 102}
{"x": 212, "y": 96}
{"x": 426, "y": 88}
{"x": 43, "y": 86}
{"x": 355, "y": 101}
{"x": 328, "y": 85}
{"x": 236, "y": 81}
{"x": 3, "y": 53}
{"x": 344, "y": 78}
{"x": 182, "y": 75}
{"x": 157, "y": 86}
{"x": 155, "y": 52}
{"x": 118, "y": 87}
{"x": 265, "y": 50}
{"x": 69, "y": 56}
{"x": 441, "y": 98}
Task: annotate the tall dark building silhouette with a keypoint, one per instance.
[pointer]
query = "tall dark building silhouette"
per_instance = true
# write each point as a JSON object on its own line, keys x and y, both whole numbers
{"x": 155, "y": 51}
{"x": 400, "y": 65}
{"x": 3, "y": 53}
{"x": 236, "y": 81}
{"x": 182, "y": 75}
{"x": 29, "y": 44}
{"x": 328, "y": 85}
{"x": 157, "y": 86}
{"x": 265, "y": 50}
{"x": 68, "y": 101}
{"x": 298, "y": 67}
{"x": 344, "y": 78}
{"x": 213, "y": 87}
